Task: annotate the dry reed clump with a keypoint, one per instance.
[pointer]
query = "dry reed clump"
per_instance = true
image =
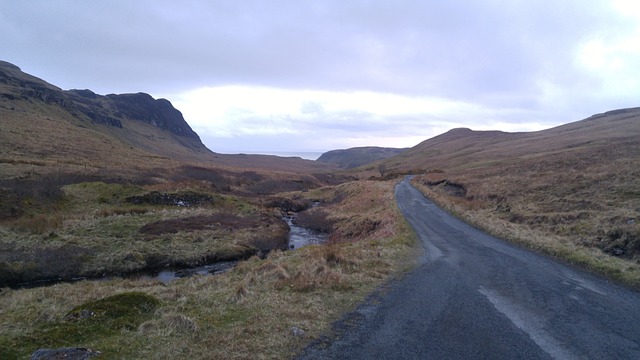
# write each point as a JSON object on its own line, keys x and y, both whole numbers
{"x": 270, "y": 271}
{"x": 354, "y": 229}
{"x": 270, "y": 239}
{"x": 356, "y": 210}
{"x": 169, "y": 325}
{"x": 622, "y": 239}
{"x": 240, "y": 293}
{"x": 314, "y": 219}
{"x": 322, "y": 267}
{"x": 114, "y": 211}
{"x": 258, "y": 274}
{"x": 39, "y": 223}
{"x": 334, "y": 255}
{"x": 313, "y": 278}
{"x": 243, "y": 289}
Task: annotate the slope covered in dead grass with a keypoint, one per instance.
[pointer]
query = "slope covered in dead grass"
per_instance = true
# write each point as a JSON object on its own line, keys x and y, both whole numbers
{"x": 574, "y": 195}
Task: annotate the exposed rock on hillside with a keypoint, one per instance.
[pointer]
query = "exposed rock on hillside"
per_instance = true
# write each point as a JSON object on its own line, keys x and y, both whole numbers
{"x": 104, "y": 110}
{"x": 159, "y": 113}
{"x": 15, "y": 84}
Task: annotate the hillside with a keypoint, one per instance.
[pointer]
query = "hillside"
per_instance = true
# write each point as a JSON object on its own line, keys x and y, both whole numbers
{"x": 44, "y": 126}
{"x": 44, "y": 130}
{"x": 463, "y": 149}
{"x": 572, "y": 190}
{"x": 355, "y": 157}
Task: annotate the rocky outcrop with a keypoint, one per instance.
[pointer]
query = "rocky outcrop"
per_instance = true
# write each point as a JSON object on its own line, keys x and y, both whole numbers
{"x": 90, "y": 104}
{"x": 16, "y": 84}
{"x": 109, "y": 110}
{"x": 159, "y": 113}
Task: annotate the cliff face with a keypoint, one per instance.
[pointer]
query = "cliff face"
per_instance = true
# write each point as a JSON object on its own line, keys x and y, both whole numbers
{"x": 159, "y": 113}
{"x": 107, "y": 110}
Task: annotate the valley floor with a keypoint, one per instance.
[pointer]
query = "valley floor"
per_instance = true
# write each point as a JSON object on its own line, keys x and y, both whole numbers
{"x": 250, "y": 311}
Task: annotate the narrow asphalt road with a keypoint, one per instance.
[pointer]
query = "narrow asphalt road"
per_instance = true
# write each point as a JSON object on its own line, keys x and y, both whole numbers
{"x": 477, "y": 297}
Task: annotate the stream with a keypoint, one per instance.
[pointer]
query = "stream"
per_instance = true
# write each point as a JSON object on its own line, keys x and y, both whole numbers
{"x": 298, "y": 237}
{"x": 168, "y": 275}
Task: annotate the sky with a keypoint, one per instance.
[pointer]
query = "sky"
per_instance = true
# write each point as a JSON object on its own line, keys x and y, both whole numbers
{"x": 301, "y": 75}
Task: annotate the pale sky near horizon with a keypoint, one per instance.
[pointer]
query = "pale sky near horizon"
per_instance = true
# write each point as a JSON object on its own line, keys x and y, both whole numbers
{"x": 295, "y": 75}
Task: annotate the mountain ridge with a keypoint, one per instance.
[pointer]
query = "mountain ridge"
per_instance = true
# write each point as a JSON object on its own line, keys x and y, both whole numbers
{"x": 463, "y": 148}
{"x": 100, "y": 109}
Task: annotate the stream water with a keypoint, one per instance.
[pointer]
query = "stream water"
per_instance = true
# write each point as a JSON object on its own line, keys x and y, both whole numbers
{"x": 168, "y": 275}
{"x": 299, "y": 236}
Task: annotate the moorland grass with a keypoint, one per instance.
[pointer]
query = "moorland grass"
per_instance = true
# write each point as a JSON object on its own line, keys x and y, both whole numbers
{"x": 98, "y": 231}
{"x": 247, "y": 312}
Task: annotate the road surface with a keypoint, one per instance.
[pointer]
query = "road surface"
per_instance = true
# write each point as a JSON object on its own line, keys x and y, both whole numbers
{"x": 477, "y": 297}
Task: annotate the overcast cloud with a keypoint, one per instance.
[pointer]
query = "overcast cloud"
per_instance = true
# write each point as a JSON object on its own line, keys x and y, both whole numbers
{"x": 290, "y": 75}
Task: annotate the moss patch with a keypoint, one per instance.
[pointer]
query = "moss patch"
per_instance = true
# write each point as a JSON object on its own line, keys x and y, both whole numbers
{"x": 99, "y": 319}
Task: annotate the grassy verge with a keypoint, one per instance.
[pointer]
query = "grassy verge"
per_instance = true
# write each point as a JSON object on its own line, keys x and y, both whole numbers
{"x": 535, "y": 236}
{"x": 247, "y": 312}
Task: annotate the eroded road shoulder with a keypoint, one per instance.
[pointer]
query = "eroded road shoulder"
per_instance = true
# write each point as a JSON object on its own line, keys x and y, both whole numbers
{"x": 477, "y": 297}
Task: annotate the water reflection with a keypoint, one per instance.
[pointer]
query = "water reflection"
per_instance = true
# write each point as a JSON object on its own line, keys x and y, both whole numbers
{"x": 169, "y": 275}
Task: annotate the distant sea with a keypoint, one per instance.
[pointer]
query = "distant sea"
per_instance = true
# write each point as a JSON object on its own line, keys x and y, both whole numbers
{"x": 309, "y": 155}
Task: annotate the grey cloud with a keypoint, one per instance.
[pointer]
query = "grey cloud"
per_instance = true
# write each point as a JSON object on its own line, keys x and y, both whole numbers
{"x": 492, "y": 53}
{"x": 452, "y": 48}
